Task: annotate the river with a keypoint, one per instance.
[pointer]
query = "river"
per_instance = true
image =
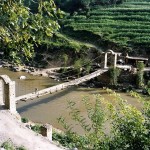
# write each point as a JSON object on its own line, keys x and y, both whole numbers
{"x": 48, "y": 108}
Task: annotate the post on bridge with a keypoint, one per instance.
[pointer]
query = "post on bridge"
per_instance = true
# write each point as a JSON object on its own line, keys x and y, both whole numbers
{"x": 7, "y": 93}
{"x": 111, "y": 60}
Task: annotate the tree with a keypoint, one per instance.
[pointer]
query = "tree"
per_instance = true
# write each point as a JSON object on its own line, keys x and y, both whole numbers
{"x": 78, "y": 66}
{"x": 129, "y": 127}
{"x": 65, "y": 58}
{"x": 21, "y": 30}
{"x": 114, "y": 74}
{"x": 87, "y": 64}
{"x": 140, "y": 74}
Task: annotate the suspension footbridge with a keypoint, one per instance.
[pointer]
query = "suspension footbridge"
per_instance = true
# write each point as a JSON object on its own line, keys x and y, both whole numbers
{"x": 61, "y": 86}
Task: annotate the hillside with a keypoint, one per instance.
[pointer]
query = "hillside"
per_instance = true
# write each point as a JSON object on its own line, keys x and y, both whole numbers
{"x": 125, "y": 27}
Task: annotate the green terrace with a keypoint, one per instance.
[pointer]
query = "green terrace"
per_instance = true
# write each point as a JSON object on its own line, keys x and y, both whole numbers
{"x": 127, "y": 24}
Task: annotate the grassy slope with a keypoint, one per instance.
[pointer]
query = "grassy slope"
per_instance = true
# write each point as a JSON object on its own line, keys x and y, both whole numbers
{"x": 125, "y": 27}
{"x": 52, "y": 53}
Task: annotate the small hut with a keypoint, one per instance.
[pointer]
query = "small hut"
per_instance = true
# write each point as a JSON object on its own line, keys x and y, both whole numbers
{"x": 134, "y": 60}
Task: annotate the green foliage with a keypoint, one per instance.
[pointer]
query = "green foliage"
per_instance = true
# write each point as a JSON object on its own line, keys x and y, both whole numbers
{"x": 114, "y": 74}
{"x": 8, "y": 145}
{"x": 140, "y": 78}
{"x": 78, "y": 66}
{"x": 65, "y": 58}
{"x": 63, "y": 139}
{"x": 140, "y": 66}
{"x": 148, "y": 84}
{"x": 125, "y": 26}
{"x": 24, "y": 120}
{"x": 87, "y": 65}
{"x": 82, "y": 64}
{"x": 21, "y": 30}
{"x": 76, "y": 5}
{"x": 36, "y": 128}
{"x": 94, "y": 132}
{"x": 129, "y": 126}
{"x": 21, "y": 148}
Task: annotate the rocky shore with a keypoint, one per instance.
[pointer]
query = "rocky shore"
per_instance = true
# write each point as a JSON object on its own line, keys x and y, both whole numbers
{"x": 49, "y": 72}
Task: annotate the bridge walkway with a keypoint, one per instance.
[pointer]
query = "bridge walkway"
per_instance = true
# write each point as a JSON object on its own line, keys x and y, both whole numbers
{"x": 60, "y": 86}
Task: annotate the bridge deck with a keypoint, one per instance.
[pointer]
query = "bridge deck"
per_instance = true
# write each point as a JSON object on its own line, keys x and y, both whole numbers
{"x": 61, "y": 86}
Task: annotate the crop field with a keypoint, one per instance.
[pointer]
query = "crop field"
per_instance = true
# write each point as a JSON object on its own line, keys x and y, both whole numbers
{"x": 127, "y": 25}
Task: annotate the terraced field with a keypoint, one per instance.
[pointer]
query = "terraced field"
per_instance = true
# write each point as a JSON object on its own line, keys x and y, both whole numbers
{"x": 127, "y": 25}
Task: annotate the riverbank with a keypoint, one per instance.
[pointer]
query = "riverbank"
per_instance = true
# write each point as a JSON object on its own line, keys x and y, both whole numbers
{"x": 48, "y": 72}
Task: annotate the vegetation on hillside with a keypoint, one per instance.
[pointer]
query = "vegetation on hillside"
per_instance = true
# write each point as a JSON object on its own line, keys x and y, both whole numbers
{"x": 28, "y": 26}
{"x": 74, "y": 5}
{"x": 29, "y": 31}
{"x": 62, "y": 50}
{"x": 124, "y": 27}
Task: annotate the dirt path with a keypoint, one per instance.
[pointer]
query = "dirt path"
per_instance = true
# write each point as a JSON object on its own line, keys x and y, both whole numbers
{"x": 11, "y": 128}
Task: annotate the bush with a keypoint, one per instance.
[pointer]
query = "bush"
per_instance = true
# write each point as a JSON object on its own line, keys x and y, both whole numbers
{"x": 129, "y": 126}
{"x": 8, "y": 145}
{"x": 24, "y": 120}
{"x": 148, "y": 84}
{"x": 63, "y": 139}
{"x": 21, "y": 148}
{"x": 140, "y": 74}
{"x": 36, "y": 128}
{"x": 114, "y": 74}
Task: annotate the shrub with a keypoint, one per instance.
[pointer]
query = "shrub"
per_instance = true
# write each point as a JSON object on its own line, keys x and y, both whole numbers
{"x": 148, "y": 84}
{"x": 114, "y": 74}
{"x": 140, "y": 78}
{"x": 21, "y": 148}
{"x": 8, "y": 145}
{"x": 129, "y": 126}
{"x": 36, "y": 128}
{"x": 24, "y": 120}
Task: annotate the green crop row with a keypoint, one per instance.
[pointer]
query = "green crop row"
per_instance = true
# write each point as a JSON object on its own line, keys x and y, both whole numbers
{"x": 133, "y": 30}
{"x": 136, "y": 3}
{"x": 119, "y": 10}
{"x": 122, "y": 17}
{"x": 113, "y": 24}
{"x": 97, "y": 13}
{"x": 127, "y": 24}
{"x": 109, "y": 20}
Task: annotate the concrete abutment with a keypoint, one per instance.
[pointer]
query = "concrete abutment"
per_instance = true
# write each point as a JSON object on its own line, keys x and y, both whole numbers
{"x": 7, "y": 93}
